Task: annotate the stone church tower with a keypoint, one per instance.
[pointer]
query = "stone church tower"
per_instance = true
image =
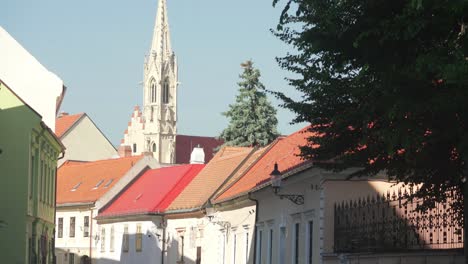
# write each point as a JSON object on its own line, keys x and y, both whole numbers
{"x": 153, "y": 128}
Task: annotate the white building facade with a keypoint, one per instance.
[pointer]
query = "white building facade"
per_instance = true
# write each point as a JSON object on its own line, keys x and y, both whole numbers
{"x": 153, "y": 127}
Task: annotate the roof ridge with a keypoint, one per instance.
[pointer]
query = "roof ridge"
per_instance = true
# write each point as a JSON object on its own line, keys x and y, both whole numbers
{"x": 267, "y": 150}
{"x": 97, "y": 162}
{"x": 189, "y": 167}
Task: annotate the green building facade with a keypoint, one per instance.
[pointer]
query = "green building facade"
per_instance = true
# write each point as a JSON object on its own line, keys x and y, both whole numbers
{"x": 28, "y": 162}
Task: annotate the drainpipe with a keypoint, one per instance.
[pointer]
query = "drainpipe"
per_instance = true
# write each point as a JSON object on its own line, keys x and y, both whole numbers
{"x": 55, "y": 206}
{"x": 163, "y": 246}
{"x": 254, "y": 237}
{"x": 91, "y": 237}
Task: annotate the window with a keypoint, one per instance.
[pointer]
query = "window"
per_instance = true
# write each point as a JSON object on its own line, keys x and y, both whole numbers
{"x": 41, "y": 176}
{"x": 108, "y": 183}
{"x": 112, "y": 239}
{"x": 153, "y": 148}
{"x": 71, "y": 259}
{"x": 282, "y": 245}
{"x": 98, "y": 184}
{"x": 72, "y": 227}
{"x": 125, "y": 243}
{"x": 181, "y": 248}
{"x": 76, "y": 187}
{"x": 234, "y": 242}
{"x": 32, "y": 175}
{"x": 246, "y": 247}
{"x": 270, "y": 247}
{"x": 86, "y": 226}
{"x": 296, "y": 244}
{"x": 103, "y": 239}
{"x": 310, "y": 238}
{"x": 259, "y": 247}
{"x": 139, "y": 239}
{"x": 134, "y": 148}
{"x": 198, "y": 260}
{"x": 60, "y": 227}
{"x": 153, "y": 90}
{"x": 165, "y": 95}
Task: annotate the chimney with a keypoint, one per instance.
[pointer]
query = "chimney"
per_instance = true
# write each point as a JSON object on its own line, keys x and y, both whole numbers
{"x": 197, "y": 156}
{"x": 125, "y": 151}
{"x": 62, "y": 114}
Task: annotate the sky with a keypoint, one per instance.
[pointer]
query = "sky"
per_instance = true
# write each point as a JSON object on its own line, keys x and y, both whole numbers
{"x": 97, "y": 48}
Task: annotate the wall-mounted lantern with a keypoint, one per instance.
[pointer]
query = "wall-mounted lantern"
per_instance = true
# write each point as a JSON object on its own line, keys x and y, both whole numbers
{"x": 275, "y": 178}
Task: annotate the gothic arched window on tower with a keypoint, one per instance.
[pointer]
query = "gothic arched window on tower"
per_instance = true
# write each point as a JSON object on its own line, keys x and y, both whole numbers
{"x": 165, "y": 92}
{"x": 153, "y": 91}
{"x": 153, "y": 148}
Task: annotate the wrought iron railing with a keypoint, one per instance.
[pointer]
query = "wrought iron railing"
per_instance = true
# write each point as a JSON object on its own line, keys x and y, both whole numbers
{"x": 390, "y": 222}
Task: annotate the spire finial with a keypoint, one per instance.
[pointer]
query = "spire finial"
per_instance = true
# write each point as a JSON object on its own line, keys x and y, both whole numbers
{"x": 161, "y": 45}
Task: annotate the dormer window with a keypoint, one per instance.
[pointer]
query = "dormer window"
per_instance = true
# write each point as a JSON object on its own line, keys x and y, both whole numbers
{"x": 98, "y": 184}
{"x": 76, "y": 187}
{"x": 165, "y": 92}
{"x": 108, "y": 183}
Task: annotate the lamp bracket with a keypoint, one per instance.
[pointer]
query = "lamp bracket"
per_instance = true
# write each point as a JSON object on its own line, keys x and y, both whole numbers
{"x": 295, "y": 198}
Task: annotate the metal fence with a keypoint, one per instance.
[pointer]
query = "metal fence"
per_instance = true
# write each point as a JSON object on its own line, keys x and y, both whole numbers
{"x": 390, "y": 222}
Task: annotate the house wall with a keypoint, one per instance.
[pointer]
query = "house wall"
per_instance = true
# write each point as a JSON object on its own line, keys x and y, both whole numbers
{"x": 85, "y": 142}
{"x": 213, "y": 236}
{"x": 78, "y": 246}
{"x": 40, "y": 89}
{"x": 336, "y": 190}
{"x": 151, "y": 241}
{"x": 277, "y": 219}
{"x": 28, "y": 156}
{"x": 442, "y": 257}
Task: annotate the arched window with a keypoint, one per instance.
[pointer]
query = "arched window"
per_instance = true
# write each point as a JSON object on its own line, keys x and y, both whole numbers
{"x": 153, "y": 148}
{"x": 153, "y": 91}
{"x": 165, "y": 92}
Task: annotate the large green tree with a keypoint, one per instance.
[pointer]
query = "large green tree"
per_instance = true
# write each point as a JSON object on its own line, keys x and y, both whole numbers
{"x": 385, "y": 86}
{"x": 252, "y": 119}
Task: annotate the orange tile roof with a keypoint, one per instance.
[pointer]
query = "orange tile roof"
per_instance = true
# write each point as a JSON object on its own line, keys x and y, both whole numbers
{"x": 87, "y": 175}
{"x": 284, "y": 151}
{"x": 210, "y": 178}
{"x": 65, "y": 122}
{"x": 240, "y": 172}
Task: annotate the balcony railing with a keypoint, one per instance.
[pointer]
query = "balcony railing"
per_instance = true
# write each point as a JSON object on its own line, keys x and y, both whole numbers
{"x": 391, "y": 223}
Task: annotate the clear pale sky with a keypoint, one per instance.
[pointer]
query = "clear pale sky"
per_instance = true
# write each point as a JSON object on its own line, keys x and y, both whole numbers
{"x": 97, "y": 48}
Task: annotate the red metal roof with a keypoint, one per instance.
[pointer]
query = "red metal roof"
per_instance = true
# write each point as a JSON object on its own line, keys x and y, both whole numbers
{"x": 65, "y": 122}
{"x": 153, "y": 191}
{"x": 185, "y": 145}
{"x": 285, "y": 151}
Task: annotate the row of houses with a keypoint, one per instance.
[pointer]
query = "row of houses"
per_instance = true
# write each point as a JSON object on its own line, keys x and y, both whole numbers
{"x": 246, "y": 205}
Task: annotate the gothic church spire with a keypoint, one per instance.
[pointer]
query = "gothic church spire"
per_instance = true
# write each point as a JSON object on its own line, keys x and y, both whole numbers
{"x": 161, "y": 44}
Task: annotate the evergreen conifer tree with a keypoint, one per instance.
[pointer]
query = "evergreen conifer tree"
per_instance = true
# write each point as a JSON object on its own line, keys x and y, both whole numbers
{"x": 252, "y": 118}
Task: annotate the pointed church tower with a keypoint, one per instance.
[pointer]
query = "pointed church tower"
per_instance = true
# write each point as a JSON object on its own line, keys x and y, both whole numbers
{"x": 154, "y": 128}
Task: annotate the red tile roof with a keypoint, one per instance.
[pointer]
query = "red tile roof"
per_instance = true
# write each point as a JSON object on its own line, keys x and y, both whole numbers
{"x": 216, "y": 172}
{"x": 153, "y": 191}
{"x": 65, "y": 122}
{"x": 85, "y": 176}
{"x": 284, "y": 151}
{"x": 185, "y": 145}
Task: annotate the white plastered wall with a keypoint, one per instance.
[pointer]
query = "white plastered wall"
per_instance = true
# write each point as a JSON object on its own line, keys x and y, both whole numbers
{"x": 275, "y": 213}
{"x": 85, "y": 142}
{"x": 31, "y": 81}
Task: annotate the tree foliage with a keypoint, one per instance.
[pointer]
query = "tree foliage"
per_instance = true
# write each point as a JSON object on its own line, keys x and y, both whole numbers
{"x": 385, "y": 86}
{"x": 252, "y": 119}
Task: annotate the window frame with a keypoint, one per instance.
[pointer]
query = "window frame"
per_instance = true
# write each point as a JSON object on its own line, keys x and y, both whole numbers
{"x": 71, "y": 232}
